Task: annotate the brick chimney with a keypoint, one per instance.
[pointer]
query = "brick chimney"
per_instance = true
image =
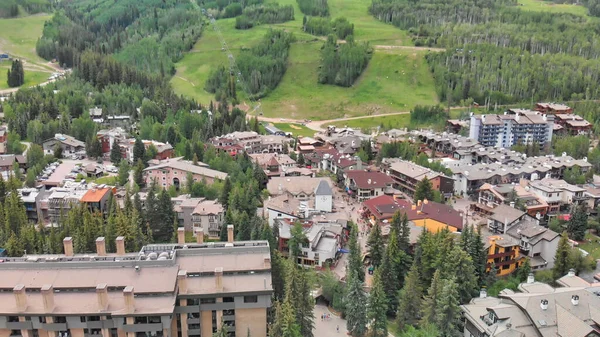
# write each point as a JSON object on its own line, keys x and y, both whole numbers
{"x": 20, "y": 297}
{"x": 48, "y": 297}
{"x": 200, "y": 236}
{"x": 180, "y": 235}
{"x": 102, "y": 294}
{"x": 129, "y": 300}
{"x": 120, "y": 245}
{"x": 230, "y": 233}
{"x": 182, "y": 281}
{"x": 219, "y": 278}
{"x": 267, "y": 262}
{"x": 100, "y": 246}
{"x": 68, "y": 246}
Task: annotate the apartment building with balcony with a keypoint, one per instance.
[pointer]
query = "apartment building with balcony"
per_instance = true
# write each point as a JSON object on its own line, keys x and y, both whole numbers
{"x": 208, "y": 218}
{"x": 407, "y": 175}
{"x": 502, "y": 254}
{"x": 490, "y": 196}
{"x": 523, "y": 127}
{"x": 557, "y": 193}
{"x": 364, "y": 185}
{"x": 164, "y": 290}
{"x": 535, "y": 241}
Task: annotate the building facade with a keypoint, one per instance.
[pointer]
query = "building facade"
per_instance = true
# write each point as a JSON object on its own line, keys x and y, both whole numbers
{"x": 511, "y": 129}
{"x": 165, "y": 290}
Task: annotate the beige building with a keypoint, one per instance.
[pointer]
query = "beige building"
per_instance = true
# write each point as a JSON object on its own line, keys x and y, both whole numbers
{"x": 165, "y": 290}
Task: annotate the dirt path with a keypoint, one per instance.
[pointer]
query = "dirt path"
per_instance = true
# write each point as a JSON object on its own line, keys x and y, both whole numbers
{"x": 11, "y": 90}
{"x": 185, "y": 79}
{"x": 382, "y": 47}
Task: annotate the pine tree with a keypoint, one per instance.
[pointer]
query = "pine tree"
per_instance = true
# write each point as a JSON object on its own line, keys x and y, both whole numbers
{"x": 577, "y": 225}
{"x": 355, "y": 265}
{"x": 448, "y": 310}
{"x": 356, "y": 311}
{"x": 296, "y": 240}
{"x": 303, "y": 301}
{"x": 300, "y": 159}
{"x": 429, "y": 309}
{"x": 423, "y": 190}
{"x": 409, "y": 300}
{"x": 138, "y": 173}
{"x": 377, "y": 307}
{"x": 460, "y": 266}
{"x": 124, "y": 169}
{"x": 561, "y": 259}
{"x": 491, "y": 275}
{"x": 285, "y": 324}
{"x": 389, "y": 276}
{"x": 375, "y": 246}
{"x": 166, "y": 216}
{"x": 524, "y": 270}
{"x": 139, "y": 151}
{"x": 404, "y": 234}
{"x": 224, "y": 196}
{"x": 115, "y": 153}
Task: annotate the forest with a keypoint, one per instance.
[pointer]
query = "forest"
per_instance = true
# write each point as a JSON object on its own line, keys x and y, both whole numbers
{"x": 150, "y": 35}
{"x": 13, "y": 8}
{"x": 261, "y": 67}
{"x": 314, "y": 7}
{"x": 341, "y": 64}
{"x": 497, "y": 53}
{"x": 320, "y": 26}
{"x": 264, "y": 14}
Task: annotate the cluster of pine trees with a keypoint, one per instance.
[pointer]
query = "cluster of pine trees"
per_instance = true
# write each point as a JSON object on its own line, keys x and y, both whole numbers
{"x": 10, "y": 8}
{"x": 150, "y": 35}
{"x": 264, "y": 14}
{"x": 342, "y": 64}
{"x": 314, "y": 7}
{"x": 322, "y": 26}
{"x": 263, "y": 65}
{"x": 498, "y": 53}
{"x": 222, "y": 83}
{"x": 16, "y": 74}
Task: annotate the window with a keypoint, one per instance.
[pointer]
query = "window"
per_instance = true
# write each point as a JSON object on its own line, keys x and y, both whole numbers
{"x": 251, "y": 299}
{"x": 13, "y": 318}
{"x": 208, "y": 300}
{"x": 227, "y": 299}
{"x": 193, "y": 301}
{"x": 229, "y": 312}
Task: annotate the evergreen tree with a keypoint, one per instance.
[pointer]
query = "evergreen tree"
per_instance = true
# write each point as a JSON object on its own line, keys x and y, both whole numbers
{"x": 224, "y": 196}
{"x": 356, "y": 311}
{"x": 409, "y": 300}
{"x": 93, "y": 147}
{"x": 389, "y": 276}
{"x": 139, "y": 151}
{"x": 285, "y": 324}
{"x": 375, "y": 246}
{"x": 377, "y": 307}
{"x": 577, "y": 225}
{"x": 302, "y": 300}
{"x": 404, "y": 234}
{"x": 460, "y": 266}
{"x": 123, "y": 175}
{"x": 524, "y": 270}
{"x": 300, "y": 160}
{"x": 562, "y": 258}
{"x": 16, "y": 74}
{"x": 115, "y": 153}
{"x": 448, "y": 310}
{"x": 163, "y": 230}
{"x": 296, "y": 240}
{"x": 355, "y": 265}
{"x": 491, "y": 275}
{"x": 423, "y": 190}
{"x": 260, "y": 176}
{"x": 429, "y": 309}
{"x": 138, "y": 173}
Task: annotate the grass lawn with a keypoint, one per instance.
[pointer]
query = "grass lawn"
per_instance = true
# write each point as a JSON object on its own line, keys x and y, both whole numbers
{"x": 395, "y": 80}
{"x": 592, "y": 247}
{"x": 390, "y": 122}
{"x": 295, "y": 129}
{"x": 31, "y": 77}
{"x": 18, "y": 36}
{"x": 546, "y": 6}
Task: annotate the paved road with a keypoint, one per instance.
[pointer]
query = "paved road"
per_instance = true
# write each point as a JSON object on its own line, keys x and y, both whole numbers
{"x": 327, "y": 328}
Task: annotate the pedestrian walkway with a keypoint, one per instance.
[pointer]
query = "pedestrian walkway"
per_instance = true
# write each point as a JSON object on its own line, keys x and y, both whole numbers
{"x": 327, "y": 328}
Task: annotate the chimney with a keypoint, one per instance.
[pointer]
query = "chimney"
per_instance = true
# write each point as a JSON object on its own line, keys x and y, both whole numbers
{"x": 413, "y": 207}
{"x": 182, "y": 281}
{"x": 369, "y": 181}
{"x": 102, "y": 294}
{"x": 418, "y": 203}
{"x": 200, "y": 236}
{"x": 100, "y": 246}
{"x": 20, "y": 298}
{"x": 48, "y": 297}
{"x": 425, "y": 201}
{"x": 530, "y": 278}
{"x": 230, "y": 233}
{"x": 120, "y": 245}
{"x": 129, "y": 301}
{"x": 219, "y": 278}
{"x": 482, "y": 293}
{"x": 180, "y": 235}
{"x": 512, "y": 204}
{"x": 68, "y": 246}
{"x": 575, "y": 300}
{"x": 267, "y": 262}
{"x": 571, "y": 272}
{"x": 544, "y": 304}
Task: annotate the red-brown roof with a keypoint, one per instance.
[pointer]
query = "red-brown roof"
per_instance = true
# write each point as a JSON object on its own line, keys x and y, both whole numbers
{"x": 369, "y": 179}
{"x": 273, "y": 162}
{"x": 95, "y": 194}
{"x": 384, "y": 207}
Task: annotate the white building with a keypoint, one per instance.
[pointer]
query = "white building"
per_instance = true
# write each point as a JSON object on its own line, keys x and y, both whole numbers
{"x": 323, "y": 241}
{"x": 523, "y": 127}
{"x": 323, "y": 197}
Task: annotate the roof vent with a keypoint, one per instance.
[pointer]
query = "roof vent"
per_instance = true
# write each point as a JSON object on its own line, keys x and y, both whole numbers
{"x": 575, "y": 299}
{"x": 482, "y": 293}
{"x": 571, "y": 272}
{"x": 530, "y": 278}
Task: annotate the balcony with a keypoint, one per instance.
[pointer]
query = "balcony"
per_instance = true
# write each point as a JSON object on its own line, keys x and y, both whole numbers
{"x": 54, "y": 326}
{"x": 500, "y": 255}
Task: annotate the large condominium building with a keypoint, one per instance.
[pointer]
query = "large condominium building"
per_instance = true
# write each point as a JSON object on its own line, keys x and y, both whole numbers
{"x": 506, "y": 130}
{"x": 164, "y": 290}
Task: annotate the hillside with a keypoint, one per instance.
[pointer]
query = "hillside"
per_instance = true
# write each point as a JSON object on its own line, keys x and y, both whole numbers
{"x": 396, "y": 79}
